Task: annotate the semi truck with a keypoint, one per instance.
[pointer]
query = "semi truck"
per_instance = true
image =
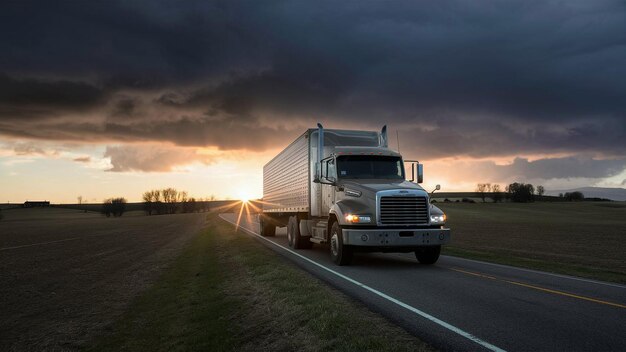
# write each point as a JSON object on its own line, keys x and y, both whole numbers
{"x": 348, "y": 190}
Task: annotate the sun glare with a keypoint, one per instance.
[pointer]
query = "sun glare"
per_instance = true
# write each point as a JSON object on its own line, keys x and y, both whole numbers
{"x": 245, "y": 197}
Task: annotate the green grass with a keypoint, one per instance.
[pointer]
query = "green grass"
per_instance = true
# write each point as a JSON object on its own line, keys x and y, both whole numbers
{"x": 585, "y": 239}
{"x": 226, "y": 292}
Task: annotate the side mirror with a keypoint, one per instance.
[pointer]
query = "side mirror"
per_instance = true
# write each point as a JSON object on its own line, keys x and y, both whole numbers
{"x": 437, "y": 187}
{"x": 416, "y": 166}
{"x": 420, "y": 173}
{"x": 324, "y": 178}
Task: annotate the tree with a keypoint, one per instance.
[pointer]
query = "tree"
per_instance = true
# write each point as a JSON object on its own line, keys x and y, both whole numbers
{"x": 182, "y": 197}
{"x": 481, "y": 188}
{"x": 157, "y": 205}
{"x": 540, "y": 191}
{"x": 170, "y": 197}
{"x": 189, "y": 205}
{"x": 574, "y": 196}
{"x": 80, "y": 199}
{"x": 497, "y": 193}
{"x": 520, "y": 192}
{"x": 114, "y": 206}
{"x": 107, "y": 207}
{"x": 148, "y": 204}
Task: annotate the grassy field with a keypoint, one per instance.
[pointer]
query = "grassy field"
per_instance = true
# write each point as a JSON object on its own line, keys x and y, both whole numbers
{"x": 586, "y": 239}
{"x": 66, "y": 274}
{"x": 229, "y": 292}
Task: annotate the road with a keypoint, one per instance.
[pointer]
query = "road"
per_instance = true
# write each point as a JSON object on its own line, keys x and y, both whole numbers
{"x": 461, "y": 304}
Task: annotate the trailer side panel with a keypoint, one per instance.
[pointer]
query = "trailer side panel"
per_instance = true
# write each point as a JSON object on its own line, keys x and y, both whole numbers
{"x": 286, "y": 179}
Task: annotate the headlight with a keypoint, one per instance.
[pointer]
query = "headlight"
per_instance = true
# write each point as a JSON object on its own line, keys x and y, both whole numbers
{"x": 355, "y": 219}
{"x": 438, "y": 219}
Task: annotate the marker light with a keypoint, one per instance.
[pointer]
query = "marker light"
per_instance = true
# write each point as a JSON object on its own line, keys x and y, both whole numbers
{"x": 352, "y": 193}
{"x": 355, "y": 219}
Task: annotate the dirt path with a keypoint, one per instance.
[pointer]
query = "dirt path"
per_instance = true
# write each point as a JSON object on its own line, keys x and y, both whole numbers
{"x": 65, "y": 275}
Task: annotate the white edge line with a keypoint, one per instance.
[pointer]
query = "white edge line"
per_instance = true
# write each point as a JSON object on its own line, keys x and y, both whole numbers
{"x": 529, "y": 270}
{"x": 532, "y": 271}
{"x": 435, "y": 320}
{"x": 538, "y": 272}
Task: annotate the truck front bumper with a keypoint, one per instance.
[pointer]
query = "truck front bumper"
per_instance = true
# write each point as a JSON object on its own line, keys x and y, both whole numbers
{"x": 395, "y": 237}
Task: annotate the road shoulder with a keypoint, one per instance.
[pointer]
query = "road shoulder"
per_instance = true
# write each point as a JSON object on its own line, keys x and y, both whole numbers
{"x": 227, "y": 291}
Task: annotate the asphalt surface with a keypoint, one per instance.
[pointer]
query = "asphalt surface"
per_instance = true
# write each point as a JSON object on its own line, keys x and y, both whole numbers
{"x": 467, "y": 305}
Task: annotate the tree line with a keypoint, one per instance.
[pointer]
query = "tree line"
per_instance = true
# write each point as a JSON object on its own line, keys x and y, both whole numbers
{"x": 519, "y": 192}
{"x": 159, "y": 202}
{"x": 171, "y": 201}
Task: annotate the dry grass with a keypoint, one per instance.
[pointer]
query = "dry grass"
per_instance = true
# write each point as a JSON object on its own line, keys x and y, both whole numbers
{"x": 581, "y": 238}
{"x": 81, "y": 277}
{"x": 229, "y": 292}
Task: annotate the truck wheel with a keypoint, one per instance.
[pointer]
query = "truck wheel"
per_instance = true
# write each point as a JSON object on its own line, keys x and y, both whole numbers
{"x": 292, "y": 228}
{"x": 428, "y": 255}
{"x": 296, "y": 240}
{"x": 340, "y": 254}
{"x": 268, "y": 229}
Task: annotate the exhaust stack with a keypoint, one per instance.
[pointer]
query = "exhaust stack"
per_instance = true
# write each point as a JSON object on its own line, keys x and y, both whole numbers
{"x": 383, "y": 137}
{"x": 320, "y": 148}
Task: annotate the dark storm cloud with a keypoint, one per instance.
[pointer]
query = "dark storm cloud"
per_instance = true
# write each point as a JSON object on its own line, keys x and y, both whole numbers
{"x": 27, "y": 97}
{"x": 494, "y": 136}
{"x": 455, "y": 77}
{"x": 561, "y": 168}
{"x": 229, "y": 135}
{"x": 125, "y": 107}
{"x": 579, "y": 170}
{"x": 541, "y": 169}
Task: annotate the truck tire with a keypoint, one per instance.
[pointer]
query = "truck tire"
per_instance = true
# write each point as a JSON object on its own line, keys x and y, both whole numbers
{"x": 340, "y": 254}
{"x": 296, "y": 240}
{"x": 428, "y": 255}
{"x": 268, "y": 229}
{"x": 291, "y": 228}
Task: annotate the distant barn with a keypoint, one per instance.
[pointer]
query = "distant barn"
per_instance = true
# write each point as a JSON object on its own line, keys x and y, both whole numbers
{"x": 36, "y": 203}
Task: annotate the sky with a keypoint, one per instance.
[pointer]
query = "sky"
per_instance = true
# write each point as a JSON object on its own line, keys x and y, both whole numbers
{"x": 113, "y": 98}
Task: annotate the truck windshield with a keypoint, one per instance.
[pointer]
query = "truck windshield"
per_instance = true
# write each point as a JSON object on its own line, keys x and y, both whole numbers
{"x": 370, "y": 166}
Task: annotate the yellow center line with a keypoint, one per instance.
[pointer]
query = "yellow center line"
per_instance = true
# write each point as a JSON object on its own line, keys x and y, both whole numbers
{"x": 475, "y": 274}
{"x": 540, "y": 288}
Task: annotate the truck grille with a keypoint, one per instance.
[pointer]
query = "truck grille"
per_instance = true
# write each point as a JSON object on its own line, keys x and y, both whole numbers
{"x": 403, "y": 210}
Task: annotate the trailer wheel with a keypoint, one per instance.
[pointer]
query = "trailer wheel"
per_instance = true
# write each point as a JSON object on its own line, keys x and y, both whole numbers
{"x": 296, "y": 240}
{"x": 268, "y": 229}
{"x": 291, "y": 229}
{"x": 340, "y": 254}
{"x": 428, "y": 255}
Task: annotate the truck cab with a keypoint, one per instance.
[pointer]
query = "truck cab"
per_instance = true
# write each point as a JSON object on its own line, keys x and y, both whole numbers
{"x": 361, "y": 201}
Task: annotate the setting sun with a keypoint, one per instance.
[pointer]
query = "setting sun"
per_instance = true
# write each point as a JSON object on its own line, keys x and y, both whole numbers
{"x": 245, "y": 196}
